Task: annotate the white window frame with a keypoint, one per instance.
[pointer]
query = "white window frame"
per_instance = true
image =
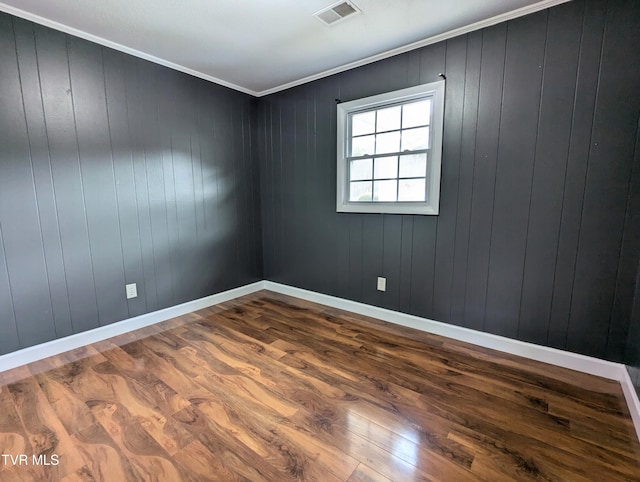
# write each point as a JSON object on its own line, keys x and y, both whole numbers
{"x": 433, "y": 90}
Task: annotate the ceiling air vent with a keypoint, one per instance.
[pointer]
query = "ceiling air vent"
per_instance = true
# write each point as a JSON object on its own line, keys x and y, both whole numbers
{"x": 336, "y": 12}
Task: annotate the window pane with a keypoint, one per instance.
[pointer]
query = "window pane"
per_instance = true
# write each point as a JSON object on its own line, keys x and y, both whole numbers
{"x": 416, "y": 114}
{"x": 389, "y": 142}
{"x": 413, "y": 139}
{"x": 360, "y": 169}
{"x": 385, "y": 190}
{"x": 364, "y": 123}
{"x": 389, "y": 119}
{"x": 389, "y": 150}
{"x": 360, "y": 191}
{"x": 385, "y": 167}
{"x": 411, "y": 190}
{"x": 414, "y": 165}
{"x": 361, "y": 146}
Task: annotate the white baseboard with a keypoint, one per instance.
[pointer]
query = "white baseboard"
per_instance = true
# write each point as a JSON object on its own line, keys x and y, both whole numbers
{"x": 574, "y": 361}
{"x": 61, "y": 345}
{"x": 631, "y": 397}
{"x": 553, "y": 356}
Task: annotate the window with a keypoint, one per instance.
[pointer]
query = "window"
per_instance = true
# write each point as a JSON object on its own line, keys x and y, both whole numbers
{"x": 389, "y": 150}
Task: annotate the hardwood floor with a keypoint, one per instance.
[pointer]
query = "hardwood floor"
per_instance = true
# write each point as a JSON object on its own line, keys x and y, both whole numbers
{"x": 268, "y": 387}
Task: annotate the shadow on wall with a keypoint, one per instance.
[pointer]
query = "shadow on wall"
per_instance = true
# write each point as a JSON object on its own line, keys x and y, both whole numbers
{"x": 114, "y": 170}
{"x": 165, "y": 221}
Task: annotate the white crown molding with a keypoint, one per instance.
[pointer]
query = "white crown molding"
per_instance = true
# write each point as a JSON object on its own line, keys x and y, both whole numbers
{"x": 520, "y": 12}
{"x": 116, "y": 46}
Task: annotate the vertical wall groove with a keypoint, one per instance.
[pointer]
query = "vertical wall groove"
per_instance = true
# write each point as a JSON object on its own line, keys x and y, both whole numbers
{"x": 566, "y": 171}
{"x": 525, "y": 245}
{"x": 103, "y": 161}
{"x": 33, "y": 180}
{"x": 114, "y": 170}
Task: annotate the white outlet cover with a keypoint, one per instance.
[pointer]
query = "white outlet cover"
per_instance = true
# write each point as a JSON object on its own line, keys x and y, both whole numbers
{"x": 382, "y": 284}
{"x": 132, "y": 291}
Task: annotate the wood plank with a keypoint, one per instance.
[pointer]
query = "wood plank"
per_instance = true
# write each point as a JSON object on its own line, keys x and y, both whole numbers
{"x": 391, "y": 260}
{"x": 606, "y": 190}
{"x": 486, "y": 149}
{"x": 406, "y": 263}
{"x": 467, "y": 174}
{"x": 45, "y": 432}
{"x": 40, "y": 160}
{"x": 103, "y": 457}
{"x": 456, "y": 49}
{"x": 267, "y": 387}
{"x": 145, "y": 454}
{"x": 98, "y": 180}
{"x": 155, "y": 147}
{"x": 551, "y": 153}
{"x": 13, "y": 439}
{"x": 73, "y": 229}
{"x": 372, "y": 240}
{"x": 20, "y": 220}
{"x": 147, "y": 284}
{"x": 117, "y": 98}
{"x": 594, "y": 17}
{"x": 364, "y": 473}
{"x": 516, "y": 146}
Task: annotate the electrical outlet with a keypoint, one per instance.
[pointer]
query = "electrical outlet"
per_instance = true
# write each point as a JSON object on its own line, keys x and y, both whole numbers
{"x": 382, "y": 284}
{"x": 132, "y": 291}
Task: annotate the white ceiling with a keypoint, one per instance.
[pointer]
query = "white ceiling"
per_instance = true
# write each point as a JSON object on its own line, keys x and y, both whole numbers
{"x": 262, "y": 46}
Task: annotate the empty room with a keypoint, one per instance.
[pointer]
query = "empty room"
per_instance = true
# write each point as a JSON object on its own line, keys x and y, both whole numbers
{"x": 319, "y": 241}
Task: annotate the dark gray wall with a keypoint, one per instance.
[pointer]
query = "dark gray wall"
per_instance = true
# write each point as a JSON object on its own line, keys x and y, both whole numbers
{"x": 634, "y": 375}
{"x": 540, "y": 131}
{"x": 631, "y": 247}
{"x": 114, "y": 170}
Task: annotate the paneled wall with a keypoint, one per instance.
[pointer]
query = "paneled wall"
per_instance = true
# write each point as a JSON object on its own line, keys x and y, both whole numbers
{"x": 631, "y": 247}
{"x": 114, "y": 170}
{"x": 532, "y": 238}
